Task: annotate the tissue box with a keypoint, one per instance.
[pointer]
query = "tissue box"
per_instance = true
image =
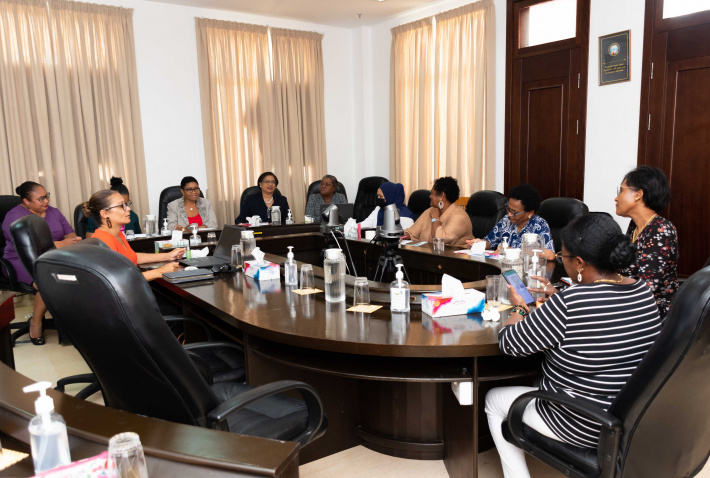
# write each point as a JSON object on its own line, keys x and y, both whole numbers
{"x": 437, "y": 305}
{"x": 169, "y": 244}
{"x": 266, "y": 271}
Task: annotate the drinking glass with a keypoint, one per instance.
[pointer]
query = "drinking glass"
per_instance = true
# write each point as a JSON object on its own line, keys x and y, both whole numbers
{"x": 130, "y": 234}
{"x": 439, "y": 244}
{"x": 306, "y": 277}
{"x": 493, "y": 285}
{"x": 361, "y": 294}
{"x": 211, "y": 236}
{"x": 125, "y": 456}
{"x": 237, "y": 256}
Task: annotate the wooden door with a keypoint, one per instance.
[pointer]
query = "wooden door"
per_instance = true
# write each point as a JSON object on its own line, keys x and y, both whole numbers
{"x": 545, "y": 110}
{"x": 677, "y": 133}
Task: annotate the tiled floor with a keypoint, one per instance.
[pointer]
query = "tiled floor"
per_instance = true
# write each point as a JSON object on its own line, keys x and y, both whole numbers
{"x": 53, "y": 361}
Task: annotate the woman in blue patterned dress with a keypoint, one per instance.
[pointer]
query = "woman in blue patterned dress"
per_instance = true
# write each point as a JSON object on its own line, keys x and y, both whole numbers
{"x": 523, "y": 201}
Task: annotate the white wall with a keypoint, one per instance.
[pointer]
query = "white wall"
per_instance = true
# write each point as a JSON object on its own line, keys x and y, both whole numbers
{"x": 166, "y": 56}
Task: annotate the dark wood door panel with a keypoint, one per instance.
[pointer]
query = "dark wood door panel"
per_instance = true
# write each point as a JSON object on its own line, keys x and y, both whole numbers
{"x": 544, "y": 135}
{"x": 686, "y": 142}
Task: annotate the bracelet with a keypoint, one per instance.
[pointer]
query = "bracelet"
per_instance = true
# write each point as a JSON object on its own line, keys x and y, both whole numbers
{"x": 520, "y": 310}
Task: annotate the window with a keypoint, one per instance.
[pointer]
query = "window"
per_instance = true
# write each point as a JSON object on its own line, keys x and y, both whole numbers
{"x": 548, "y": 22}
{"x": 676, "y": 8}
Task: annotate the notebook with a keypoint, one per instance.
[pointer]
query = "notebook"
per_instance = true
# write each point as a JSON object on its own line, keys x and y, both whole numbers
{"x": 179, "y": 277}
{"x": 222, "y": 253}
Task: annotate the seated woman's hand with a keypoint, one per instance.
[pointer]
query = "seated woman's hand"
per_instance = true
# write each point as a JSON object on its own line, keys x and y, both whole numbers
{"x": 547, "y": 288}
{"x": 171, "y": 267}
{"x": 472, "y": 241}
{"x": 176, "y": 254}
{"x": 515, "y": 298}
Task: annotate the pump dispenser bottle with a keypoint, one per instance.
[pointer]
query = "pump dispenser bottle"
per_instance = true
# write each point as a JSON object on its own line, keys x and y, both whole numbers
{"x": 399, "y": 292}
{"x": 289, "y": 218}
{"x": 48, "y": 432}
{"x": 290, "y": 268}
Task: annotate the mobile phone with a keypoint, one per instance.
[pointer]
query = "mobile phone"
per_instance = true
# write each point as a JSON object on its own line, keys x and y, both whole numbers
{"x": 512, "y": 278}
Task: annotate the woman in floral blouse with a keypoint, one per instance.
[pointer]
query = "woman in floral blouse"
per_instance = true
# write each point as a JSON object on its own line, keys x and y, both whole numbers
{"x": 643, "y": 194}
{"x": 523, "y": 201}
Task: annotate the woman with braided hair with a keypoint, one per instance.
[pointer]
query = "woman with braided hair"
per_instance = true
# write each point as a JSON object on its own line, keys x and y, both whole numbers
{"x": 592, "y": 334}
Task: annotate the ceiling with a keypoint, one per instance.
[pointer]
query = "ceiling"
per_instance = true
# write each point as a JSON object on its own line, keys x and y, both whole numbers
{"x": 339, "y": 13}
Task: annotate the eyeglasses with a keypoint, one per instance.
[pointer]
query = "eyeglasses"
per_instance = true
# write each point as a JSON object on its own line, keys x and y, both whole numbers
{"x": 559, "y": 256}
{"x": 43, "y": 198}
{"x": 513, "y": 213}
{"x": 268, "y": 181}
{"x": 126, "y": 206}
{"x": 621, "y": 188}
{"x": 192, "y": 190}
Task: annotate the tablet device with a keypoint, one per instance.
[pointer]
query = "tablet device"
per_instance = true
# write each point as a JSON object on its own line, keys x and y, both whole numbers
{"x": 516, "y": 282}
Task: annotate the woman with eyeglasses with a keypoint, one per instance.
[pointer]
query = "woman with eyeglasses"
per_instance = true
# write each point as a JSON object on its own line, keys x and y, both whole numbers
{"x": 135, "y": 224}
{"x": 260, "y": 204}
{"x": 110, "y": 211}
{"x": 592, "y": 335}
{"x": 444, "y": 219}
{"x": 643, "y": 194}
{"x": 520, "y": 218}
{"x": 35, "y": 200}
{"x": 190, "y": 208}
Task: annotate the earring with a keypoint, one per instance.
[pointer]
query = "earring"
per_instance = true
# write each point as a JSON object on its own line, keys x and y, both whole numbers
{"x": 108, "y": 223}
{"x": 579, "y": 277}
{"x": 441, "y": 204}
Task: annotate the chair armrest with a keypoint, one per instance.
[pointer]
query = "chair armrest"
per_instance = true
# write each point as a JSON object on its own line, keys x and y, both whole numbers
{"x": 308, "y": 393}
{"x": 8, "y": 273}
{"x": 192, "y": 320}
{"x": 608, "y": 439}
{"x": 209, "y": 345}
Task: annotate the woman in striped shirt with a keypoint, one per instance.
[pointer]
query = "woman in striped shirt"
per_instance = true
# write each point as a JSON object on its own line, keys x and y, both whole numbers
{"x": 593, "y": 336}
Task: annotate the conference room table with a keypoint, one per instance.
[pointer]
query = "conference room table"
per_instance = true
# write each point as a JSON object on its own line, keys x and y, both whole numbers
{"x": 385, "y": 378}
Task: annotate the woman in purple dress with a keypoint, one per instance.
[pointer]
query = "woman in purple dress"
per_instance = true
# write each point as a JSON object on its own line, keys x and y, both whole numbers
{"x": 35, "y": 200}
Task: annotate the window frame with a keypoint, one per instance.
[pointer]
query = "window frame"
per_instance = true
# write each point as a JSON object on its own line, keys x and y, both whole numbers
{"x": 661, "y": 24}
{"x": 568, "y": 43}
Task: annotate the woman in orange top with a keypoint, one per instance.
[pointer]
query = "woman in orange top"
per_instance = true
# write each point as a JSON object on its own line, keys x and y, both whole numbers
{"x": 110, "y": 211}
{"x": 444, "y": 218}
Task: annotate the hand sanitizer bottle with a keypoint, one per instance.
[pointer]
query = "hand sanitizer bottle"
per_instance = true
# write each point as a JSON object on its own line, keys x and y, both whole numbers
{"x": 290, "y": 268}
{"x": 399, "y": 292}
{"x": 289, "y": 218}
{"x": 48, "y": 432}
{"x": 165, "y": 231}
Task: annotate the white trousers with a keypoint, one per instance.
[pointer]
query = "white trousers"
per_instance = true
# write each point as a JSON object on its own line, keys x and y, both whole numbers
{"x": 498, "y": 403}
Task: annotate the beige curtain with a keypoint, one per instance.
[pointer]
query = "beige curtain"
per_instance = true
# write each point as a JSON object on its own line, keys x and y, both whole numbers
{"x": 299, "y": 114}
{"x": 464, "y": 116}
{"x": 411, "y": 115}
{"x": 237, "y": 109}
{"x": 69, "y": 110}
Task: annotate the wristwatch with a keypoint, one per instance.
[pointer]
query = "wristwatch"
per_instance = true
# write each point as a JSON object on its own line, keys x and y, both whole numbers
{"x": 434, "y": 219}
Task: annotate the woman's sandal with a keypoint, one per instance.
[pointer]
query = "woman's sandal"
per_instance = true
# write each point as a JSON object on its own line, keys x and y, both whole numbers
{"x": 35, "y": 340}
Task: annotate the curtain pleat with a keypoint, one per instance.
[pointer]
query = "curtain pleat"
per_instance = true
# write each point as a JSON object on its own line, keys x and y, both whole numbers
{"x": 69, "y": 113}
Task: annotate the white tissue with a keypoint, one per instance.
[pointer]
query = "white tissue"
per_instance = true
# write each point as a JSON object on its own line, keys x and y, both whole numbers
{"x": 491, "y": 315}
{"x": 450, "y": 286}
{"x": 258, "y": 255}
{"x": 199, "y": 252}
{"x": 350, "y": 228}
{"x": 252, "y": 220}
{"x": 478, "y": 247}
{"x": 177, "y": 236}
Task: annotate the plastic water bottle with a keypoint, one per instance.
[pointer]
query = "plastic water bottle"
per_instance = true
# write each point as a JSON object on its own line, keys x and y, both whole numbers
{"x": 334, "y": 266}
{"x": 276, "y": 215}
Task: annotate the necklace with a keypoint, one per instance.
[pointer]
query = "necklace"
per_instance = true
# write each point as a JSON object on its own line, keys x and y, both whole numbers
{"x": 269, "y": 201}
{"x": 612, "y": 281}
{"x": 638, "y": 230}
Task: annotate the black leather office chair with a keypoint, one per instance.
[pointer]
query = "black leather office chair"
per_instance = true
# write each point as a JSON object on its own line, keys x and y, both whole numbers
{"x": 314, "y": 188}
{"x": 140, "y": 366}
{"x": 32, "y": 238}
{"x": 485, "y": 208}
{"x": 80, "y": 221}
{"x": 366, "y": 197}
{"x": 167, "y": 196}
{"x": 419, "y": 202}
{"x": 8, "y": 276}
{"x": 558, "y": 212}
{"x": 659, "y": 424}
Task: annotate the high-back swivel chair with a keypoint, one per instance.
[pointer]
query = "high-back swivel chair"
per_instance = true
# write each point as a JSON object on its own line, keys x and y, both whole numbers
{"x": 558, "y": 212}
{"x": 141, "y": 367}
{"x": 419, "y": 202}
{"x": 659, "y": 423}
{"x": 314, "y": 188}
{"x": 485, "y": 209}
{"x": 366, "y": 197}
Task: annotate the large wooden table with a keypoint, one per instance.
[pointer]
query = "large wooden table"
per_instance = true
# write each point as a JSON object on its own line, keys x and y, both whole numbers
{"x": 385, "y": 378}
